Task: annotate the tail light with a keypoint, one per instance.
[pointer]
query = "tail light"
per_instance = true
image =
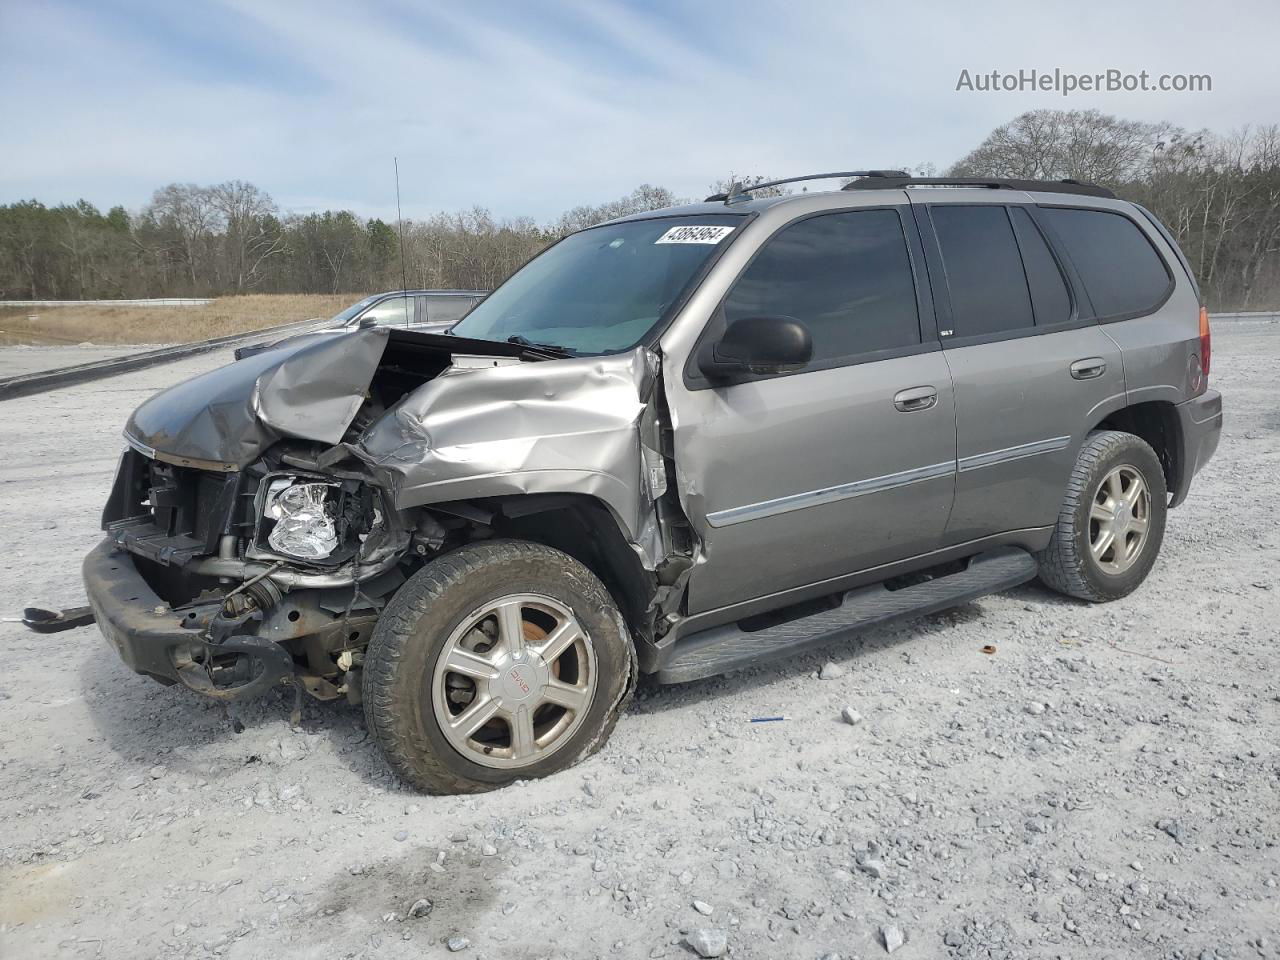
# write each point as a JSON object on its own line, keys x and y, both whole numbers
{"x": 1205, "y": 341}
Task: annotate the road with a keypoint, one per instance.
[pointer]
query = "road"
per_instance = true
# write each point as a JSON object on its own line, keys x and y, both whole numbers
{"x": 1105, "y": 785}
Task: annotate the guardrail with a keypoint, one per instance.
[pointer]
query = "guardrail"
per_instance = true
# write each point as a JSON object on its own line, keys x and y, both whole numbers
{"x": 24, "y": 385}
{"x": 150, "y": 302}
{"x": 1264, "y": 316}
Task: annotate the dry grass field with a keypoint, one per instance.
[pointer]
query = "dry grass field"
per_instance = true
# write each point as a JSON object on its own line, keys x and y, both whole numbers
{"x": 112, "y": 325}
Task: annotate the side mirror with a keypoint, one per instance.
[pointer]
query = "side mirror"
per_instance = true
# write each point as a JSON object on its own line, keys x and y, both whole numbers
{"x": 757, "y": 345}
{"x": 367, "y": 322}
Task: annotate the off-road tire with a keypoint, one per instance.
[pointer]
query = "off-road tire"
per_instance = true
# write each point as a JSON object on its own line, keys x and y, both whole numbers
{"x": 1067, "y": 564}
{"x": 415, "y": 626}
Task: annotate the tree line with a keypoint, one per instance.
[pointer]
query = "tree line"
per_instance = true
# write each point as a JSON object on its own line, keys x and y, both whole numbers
{"x": 194, "y": 240}
{"x": 1218, "y": 194}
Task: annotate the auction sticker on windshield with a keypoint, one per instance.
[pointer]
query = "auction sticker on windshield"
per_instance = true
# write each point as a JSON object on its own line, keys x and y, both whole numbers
{"x": 695, "y": 234}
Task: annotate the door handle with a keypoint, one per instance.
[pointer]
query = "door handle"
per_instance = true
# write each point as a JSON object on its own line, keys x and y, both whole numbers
{"x": 1089, "y": 369}
{"x": 915, "y": 398}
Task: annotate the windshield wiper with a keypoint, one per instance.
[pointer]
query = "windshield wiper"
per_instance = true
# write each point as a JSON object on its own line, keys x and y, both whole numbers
{"x": 552, "y": 348}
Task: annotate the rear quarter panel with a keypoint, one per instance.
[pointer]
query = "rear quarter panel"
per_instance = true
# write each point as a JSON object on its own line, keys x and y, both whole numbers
{"x": 1157, "y": 347}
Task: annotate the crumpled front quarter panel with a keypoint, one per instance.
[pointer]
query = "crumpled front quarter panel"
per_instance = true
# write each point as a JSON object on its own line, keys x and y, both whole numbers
{"x": 556, "y": 426}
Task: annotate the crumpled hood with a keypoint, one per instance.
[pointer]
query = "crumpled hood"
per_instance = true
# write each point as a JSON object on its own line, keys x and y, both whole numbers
{"x": 308, "y": 387}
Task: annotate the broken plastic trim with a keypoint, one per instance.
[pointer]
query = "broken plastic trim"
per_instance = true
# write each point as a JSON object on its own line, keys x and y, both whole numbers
{"x": 56, "y": 621}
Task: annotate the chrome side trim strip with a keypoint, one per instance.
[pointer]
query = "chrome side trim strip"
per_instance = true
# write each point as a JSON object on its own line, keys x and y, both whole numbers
{"x": 814, "y": 498}
{"x": 993, "y": 457}
{"x": 858, "y": 488}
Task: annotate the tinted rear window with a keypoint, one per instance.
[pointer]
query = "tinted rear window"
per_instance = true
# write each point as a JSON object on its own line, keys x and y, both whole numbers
{"x": 1049, "y": 294}
{"x": 448, "y": 309}
{"x": 846, "y": 276}
{"x": 1120, "y": 269}
{"x": 984, "y": 270}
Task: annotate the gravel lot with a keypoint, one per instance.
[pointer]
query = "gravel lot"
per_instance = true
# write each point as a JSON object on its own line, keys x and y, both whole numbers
{"x": 1105, "y": 785}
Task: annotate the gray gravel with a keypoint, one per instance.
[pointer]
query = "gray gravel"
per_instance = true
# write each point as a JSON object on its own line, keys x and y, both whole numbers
{"x": 1106, "y": 785}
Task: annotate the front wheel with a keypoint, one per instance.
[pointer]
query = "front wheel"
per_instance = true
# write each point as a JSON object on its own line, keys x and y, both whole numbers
{"x": 1112, "y": 520}
{"x": 503, "y": 660}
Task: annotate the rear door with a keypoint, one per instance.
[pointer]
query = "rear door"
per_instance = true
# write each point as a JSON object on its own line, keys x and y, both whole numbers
{"x": 794, "y": 479}
{"x": 1032, "y": 374}
{"x": 1131, "y": 287}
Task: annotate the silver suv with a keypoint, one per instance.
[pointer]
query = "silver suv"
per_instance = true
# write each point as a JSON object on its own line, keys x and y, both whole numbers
{"x": 677, "y": 444}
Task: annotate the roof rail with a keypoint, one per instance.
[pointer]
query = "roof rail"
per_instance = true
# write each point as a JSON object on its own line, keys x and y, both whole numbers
{"x": 737, "y": 191}
{"x": 1034, "y": 186}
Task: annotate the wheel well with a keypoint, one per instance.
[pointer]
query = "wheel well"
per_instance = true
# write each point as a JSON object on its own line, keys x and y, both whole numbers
{"x": 1156, "y": 422}
{"x": 585, "y": 529}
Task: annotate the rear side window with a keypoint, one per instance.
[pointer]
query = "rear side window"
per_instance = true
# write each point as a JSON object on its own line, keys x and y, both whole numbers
{"x": 1049, "y": 296}
{"x": 846, "y": 276}
{"x": 448, "y": 309}
{"x": 1121, "y": 271}
{"x": 984, "y": 271}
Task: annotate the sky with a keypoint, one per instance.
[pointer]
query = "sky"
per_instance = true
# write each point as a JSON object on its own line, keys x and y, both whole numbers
{"x": 529, "y": 108}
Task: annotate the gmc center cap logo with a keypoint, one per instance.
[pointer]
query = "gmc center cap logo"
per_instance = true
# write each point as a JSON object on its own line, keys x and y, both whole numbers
{"x": 521, "y": 677}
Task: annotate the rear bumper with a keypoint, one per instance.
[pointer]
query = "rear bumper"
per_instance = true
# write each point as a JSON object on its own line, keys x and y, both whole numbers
{"x": 1200, "y": 428}
{"x": 151, "y": 639}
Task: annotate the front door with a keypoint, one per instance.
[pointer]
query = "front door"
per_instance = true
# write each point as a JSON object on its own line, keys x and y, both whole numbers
{"x": 794, "y": 479}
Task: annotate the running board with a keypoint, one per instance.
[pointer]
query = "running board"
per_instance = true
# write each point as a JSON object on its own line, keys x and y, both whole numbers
{"x": 722, "y": 649}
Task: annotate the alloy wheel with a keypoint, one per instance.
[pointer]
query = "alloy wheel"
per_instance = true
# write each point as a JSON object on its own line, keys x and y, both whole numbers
{"x": 514, "y": 681}
{"x": 1119, "y": 519}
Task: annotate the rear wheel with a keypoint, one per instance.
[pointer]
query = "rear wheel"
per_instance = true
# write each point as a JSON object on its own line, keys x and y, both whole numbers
{"x": 503, "y": 660}
{"x": 1112, "y": 520}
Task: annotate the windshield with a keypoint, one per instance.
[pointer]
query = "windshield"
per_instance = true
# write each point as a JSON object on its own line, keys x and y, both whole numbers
{"x": 352, "y": 310}
{"x": 601, "y": 290}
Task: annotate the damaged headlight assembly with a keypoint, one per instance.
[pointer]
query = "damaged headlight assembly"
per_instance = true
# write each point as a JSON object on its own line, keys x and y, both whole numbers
{"x": 306, "y": 515}
{"x": 314, "y": 519}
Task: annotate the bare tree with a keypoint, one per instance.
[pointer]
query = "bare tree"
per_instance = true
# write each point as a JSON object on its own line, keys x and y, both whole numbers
{"x": 642, "y": 198}
{"x": 189, "y": 212}
{"x": 749, "y": 180}
{"x": 1077, "y": 144}
{"x": 251, "y": 232}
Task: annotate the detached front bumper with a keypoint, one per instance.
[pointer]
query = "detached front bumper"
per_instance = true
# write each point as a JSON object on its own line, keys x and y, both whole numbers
{"x": 1200, "y": 429}
{"x": 156, "y": 641}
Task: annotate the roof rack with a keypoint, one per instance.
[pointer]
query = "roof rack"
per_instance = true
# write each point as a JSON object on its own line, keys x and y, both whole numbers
{"x": 1040, "y": 186}
{"x": 737, "y": 191}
